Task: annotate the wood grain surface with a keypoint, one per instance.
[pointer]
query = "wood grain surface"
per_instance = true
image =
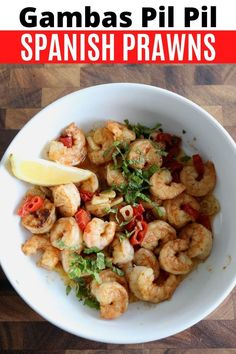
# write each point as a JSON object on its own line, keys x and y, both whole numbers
{"x": 24, "y": 90}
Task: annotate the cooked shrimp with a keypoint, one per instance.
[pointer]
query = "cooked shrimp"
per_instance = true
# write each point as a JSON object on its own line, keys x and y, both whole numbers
{"x": 200, "y": 240}
{"x": 35, "y": 243}
{"x": 176, "y": 216}
{"x": 146, "y": 258}
{"x": 37, "y": 191}
{"x": 123, "y": 251}
{"x": 102, "y": 148}
{"x": 143, "y": 154}
{"x": 163, "y": 187}
{"x": 99, "y": 233}
{"x": 71, "y": 156}
{"x": 66, "y": 234}
{"x": 209, "y": 205}
{"x": 158, "y": 231}
{"x": 114, "y": 176}
{"x": 67, "y": 198}
{"x": 66, "y": 259}
{"x": 50, "y": 256}
{"x": 189, "y": 177}
{"x": 42, "y": 220}
{"x": 105, "y": 276}
{"x": 141, "y": 284}
{"x": 127, "y": 268}
{"x": 121, "y": 132}
{"x": 90, "y": 185}
{"x": 113, "y": 299}
{"x": 172, "y": 258}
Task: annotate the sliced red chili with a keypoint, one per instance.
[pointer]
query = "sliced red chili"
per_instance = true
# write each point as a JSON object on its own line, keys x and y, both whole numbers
{"x": 144, "y": 227}
{"x": 66, "y": 141}
{"x": 138, "y": 210}
{"x": 205, "y": 221}
{"x": 174, "y": 150}
{"x": 31, "y": 204}
{"x": 86, "y": 196}
{"x": 82, "y": 218}
{"x": 34, "y": 204}
{"x": 165, "y": 138}
{"x": 199, "y": 166}
{"x": 135, "y": 239}
{"x": 172, "y": 143}
{"x": 175, "y": 167}
{"x": 138, "y": 236}
{"x": 190, "y": 211}
{"x": 22, "y": 211}
{"x": 132, "y": 224}
{"x": 175, "y": 177}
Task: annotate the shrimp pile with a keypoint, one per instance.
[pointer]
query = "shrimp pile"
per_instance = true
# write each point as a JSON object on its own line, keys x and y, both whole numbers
{"x": 135, "y": 228}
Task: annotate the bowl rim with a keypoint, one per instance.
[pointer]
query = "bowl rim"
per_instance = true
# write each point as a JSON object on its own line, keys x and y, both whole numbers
{"x": 149, "y": 336}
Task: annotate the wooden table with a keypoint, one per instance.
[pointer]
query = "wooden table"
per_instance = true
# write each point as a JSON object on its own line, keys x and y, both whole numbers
{"x": 24, "y": 90}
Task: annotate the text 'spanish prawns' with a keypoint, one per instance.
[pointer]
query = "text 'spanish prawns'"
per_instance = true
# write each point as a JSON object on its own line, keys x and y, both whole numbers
{"x": 135, "y": 227}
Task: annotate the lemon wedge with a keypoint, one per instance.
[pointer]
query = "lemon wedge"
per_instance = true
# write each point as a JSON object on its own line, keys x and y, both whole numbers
{"x": 46, "y": 173}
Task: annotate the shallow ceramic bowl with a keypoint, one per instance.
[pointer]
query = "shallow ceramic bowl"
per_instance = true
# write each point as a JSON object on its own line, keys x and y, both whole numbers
{"x": 202, "y": 291}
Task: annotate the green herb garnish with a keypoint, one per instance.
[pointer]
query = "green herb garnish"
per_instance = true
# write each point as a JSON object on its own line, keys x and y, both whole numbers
{"x": 141, "y": 130}
{"x": 150, "y": 171}
{"x": 86, "y": 266}
{"x": 83, "y": 294}
{"x": 80, "y": 267}
{"x": 113, "y": 268}
{"x": 91, "y": 250}
{"x": 61, "y": 244}
{"x": 92, "y": 303}
{"x": 90, "y": 266}
{"x": 113, "y": 211}
{"x": 126, "y": 234}
{"x": 137, "y": 179}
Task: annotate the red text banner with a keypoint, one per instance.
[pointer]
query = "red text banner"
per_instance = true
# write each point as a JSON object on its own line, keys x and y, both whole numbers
{"x": 124, "y": 47}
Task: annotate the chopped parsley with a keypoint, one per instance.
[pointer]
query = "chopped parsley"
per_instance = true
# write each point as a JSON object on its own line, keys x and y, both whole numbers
{"x": 149, "y": 172}
{"x": 92, "y": 303}
{"x": 87, "y": 266}
{"x": 61, "y": 245}
{"x": 126, "y": 234}
{"x": 140, "y": 130}
{"x": 93, "y": 265}
{"x": 81, "y": 267}
{"x": 116, "y": 270}
{"x": 91, "y": 250}
{"x": 83, "y": 294}
{"x": 137, "y": 179}
{"x": 113, "y": 211}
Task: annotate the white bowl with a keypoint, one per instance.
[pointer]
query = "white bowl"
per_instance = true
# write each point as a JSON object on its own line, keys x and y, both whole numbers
{"x": 201, "y": 292}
